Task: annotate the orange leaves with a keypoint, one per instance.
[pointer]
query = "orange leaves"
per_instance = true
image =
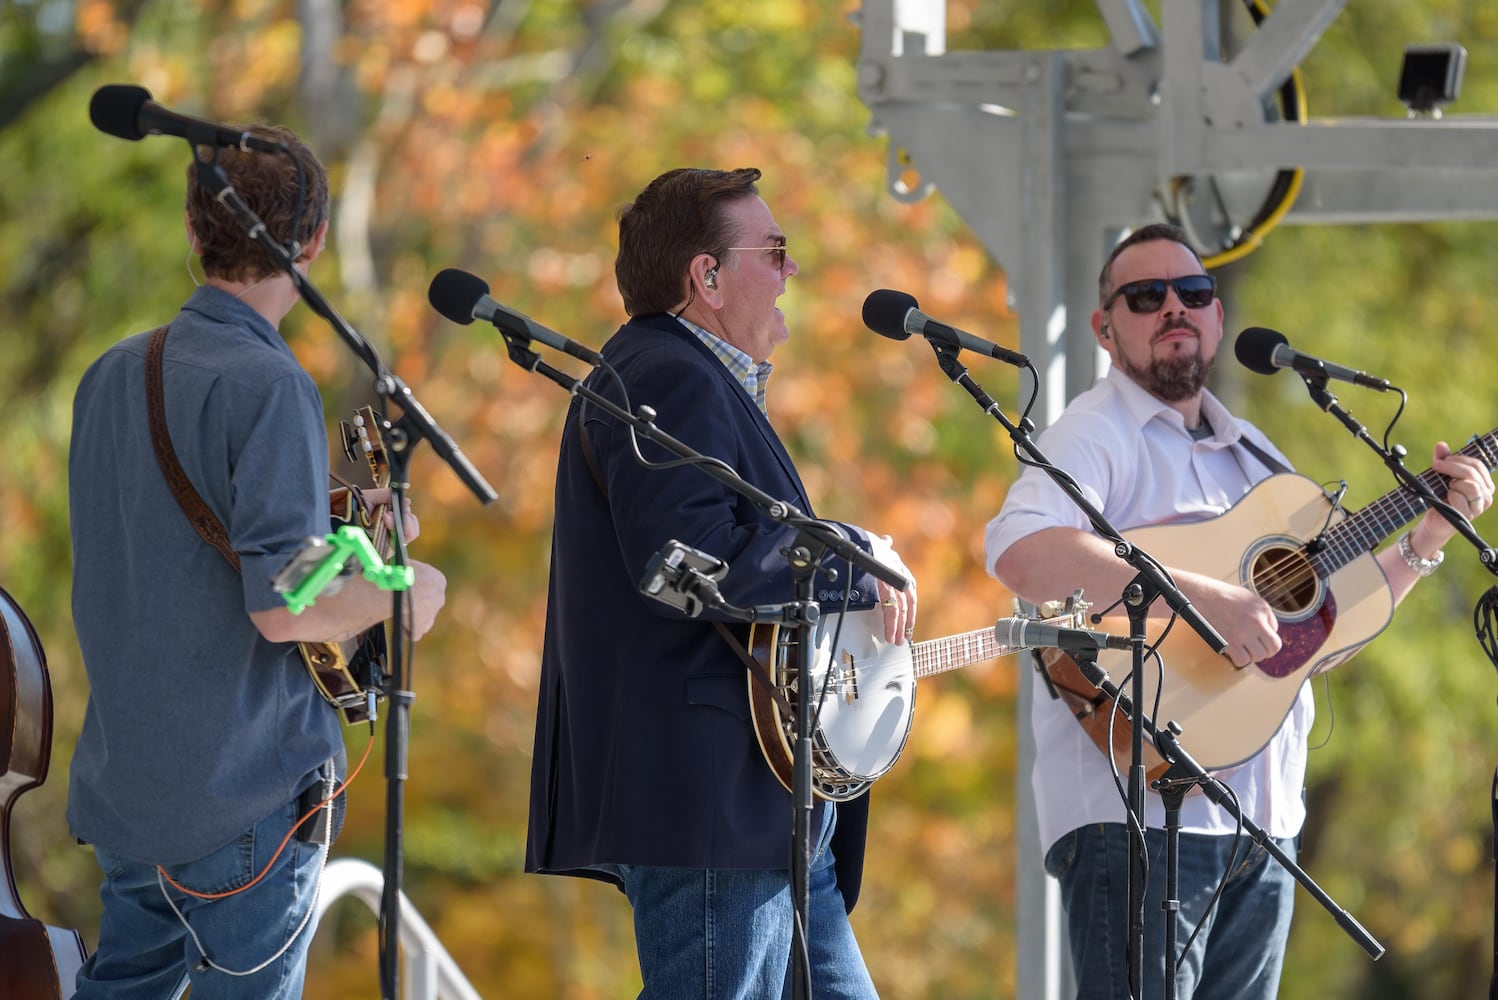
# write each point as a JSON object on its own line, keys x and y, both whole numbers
{"x": 99, "y": 30}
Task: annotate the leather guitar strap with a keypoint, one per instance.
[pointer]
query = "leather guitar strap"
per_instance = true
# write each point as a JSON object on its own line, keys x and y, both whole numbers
{"x": 198, "y": 513}
{"x": 756, "y": 668}
{"x": 1270, "y": 462}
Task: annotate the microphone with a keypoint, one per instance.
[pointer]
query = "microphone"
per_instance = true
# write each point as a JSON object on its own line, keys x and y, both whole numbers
{"x": 1263, "y": 350}
{"x": 896, "y": 315}
{"x": 1026, "y": 632}
{"x": 128, "y": 112}
{"x": 463, "y": 297}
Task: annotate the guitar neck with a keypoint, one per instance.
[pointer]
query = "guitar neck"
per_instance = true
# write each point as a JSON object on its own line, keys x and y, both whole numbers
{"x": 934, "y": 656}
{"x": 1361, "y": 532}
{"x": 379, "y": 532}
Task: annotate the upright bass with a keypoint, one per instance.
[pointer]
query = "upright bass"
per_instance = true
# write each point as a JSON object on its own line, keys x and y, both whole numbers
{"x": 37, "y": 962}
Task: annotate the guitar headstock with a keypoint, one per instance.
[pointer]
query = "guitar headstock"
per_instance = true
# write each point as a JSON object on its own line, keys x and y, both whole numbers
{"x": 364, "y": 441}
{"x": 1070, "y": 613}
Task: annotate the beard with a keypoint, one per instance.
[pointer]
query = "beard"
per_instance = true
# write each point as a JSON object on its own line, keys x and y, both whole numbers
{"x": 1175, "y": 378}
{"x": 1170, "y": 380}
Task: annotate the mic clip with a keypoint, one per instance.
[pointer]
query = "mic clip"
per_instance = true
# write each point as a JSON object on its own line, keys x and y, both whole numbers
{"x": 1334, "y": 504}
{"x": 684, "y": 578}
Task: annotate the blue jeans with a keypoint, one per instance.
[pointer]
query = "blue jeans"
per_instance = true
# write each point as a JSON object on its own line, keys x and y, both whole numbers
{"x": 1241, "y": 947}
{"x": 725, "y": 933}
{"x": 146, "y": 953}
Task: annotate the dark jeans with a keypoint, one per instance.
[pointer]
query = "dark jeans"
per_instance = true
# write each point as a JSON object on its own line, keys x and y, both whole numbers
{"x": 1241, "y": 947}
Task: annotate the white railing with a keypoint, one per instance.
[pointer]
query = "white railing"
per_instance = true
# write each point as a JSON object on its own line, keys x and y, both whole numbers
{"x": 429, "y": 972}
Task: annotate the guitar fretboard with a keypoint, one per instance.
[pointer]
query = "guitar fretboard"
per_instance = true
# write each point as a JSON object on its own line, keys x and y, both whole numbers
{"x": 937, "y": 655}
{"x": 1361, "y": 532}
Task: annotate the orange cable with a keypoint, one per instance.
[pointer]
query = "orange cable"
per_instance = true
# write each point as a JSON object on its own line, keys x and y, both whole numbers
{"x": 284, "y": 840}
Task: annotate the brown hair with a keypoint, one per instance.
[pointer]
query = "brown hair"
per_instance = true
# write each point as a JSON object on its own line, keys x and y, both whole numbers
{"x": 1144, "y": 234}
{"x": 678, "y": 216}
{"x": 291, "y": 202}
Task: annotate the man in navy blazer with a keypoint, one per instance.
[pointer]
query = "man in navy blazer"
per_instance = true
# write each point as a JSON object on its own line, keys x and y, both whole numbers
{"x": 647, "y": 772}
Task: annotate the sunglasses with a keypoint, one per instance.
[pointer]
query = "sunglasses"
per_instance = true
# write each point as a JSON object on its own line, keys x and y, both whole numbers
{"x": 1147, "y": 295}
{"x": 779, "y": 253}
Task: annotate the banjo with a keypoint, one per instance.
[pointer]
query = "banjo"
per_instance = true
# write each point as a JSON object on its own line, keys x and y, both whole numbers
{"x": 863, "y": 692}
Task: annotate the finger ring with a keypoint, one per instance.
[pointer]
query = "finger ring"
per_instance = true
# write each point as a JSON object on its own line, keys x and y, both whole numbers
{"x": 888, "y": 602}
{"x": 909, "y": 631}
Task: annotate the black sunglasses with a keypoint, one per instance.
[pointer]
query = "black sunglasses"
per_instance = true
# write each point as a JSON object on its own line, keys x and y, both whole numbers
{"x": 1148, "y": 294}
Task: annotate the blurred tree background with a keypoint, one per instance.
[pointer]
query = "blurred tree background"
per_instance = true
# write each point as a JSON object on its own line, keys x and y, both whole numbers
{"x": 500, "y": 137}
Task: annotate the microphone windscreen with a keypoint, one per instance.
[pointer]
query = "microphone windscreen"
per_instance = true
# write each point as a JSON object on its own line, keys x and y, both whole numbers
{"x": 1008, "y": 632}
{"x": 115, "y": 110}
{"x": 455, "y": 293}
{"x": 1255, "y": 349}
{"x": 884, "y": 312}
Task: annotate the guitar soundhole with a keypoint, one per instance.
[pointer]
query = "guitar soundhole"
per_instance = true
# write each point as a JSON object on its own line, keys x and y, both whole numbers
{"x": 1284, "y": 577}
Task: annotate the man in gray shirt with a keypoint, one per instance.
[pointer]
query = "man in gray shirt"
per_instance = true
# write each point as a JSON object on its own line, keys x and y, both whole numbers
{"x": 204, "y": 727}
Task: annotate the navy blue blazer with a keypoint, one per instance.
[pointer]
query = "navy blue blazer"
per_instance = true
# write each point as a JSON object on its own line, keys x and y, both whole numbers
{"x": 645, "y": 751}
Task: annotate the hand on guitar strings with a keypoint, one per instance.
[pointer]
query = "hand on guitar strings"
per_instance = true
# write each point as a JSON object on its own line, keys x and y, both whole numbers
{"x": 379, "y": 499}
{"x": 1470, "y": 488}
{"x": 1469, "y": 491}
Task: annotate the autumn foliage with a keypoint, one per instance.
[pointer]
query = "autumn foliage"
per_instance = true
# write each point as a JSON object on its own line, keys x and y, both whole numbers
{"x": 501, "y": 138}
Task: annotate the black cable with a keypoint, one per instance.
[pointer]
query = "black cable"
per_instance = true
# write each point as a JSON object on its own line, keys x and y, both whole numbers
{"x": 1485, "y": 623}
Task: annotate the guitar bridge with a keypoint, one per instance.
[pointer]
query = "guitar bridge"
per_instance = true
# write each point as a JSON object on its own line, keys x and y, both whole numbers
{"x": 847, "y": 682}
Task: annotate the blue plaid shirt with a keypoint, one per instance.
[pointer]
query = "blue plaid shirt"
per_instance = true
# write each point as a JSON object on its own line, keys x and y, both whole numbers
{"x": 753, "y": 377}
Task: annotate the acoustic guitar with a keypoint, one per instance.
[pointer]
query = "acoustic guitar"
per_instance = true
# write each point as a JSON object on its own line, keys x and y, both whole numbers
{"x": 37, "y": 962}
{"x": 1311, "y": 561}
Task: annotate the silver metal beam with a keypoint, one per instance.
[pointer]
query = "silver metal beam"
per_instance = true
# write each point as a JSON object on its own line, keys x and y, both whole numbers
{"x": 1285, "y": 37}
{"x": 1129, "y": 25}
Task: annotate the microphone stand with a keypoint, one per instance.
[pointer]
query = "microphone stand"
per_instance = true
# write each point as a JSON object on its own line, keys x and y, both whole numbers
{"x": 814, "y": 540}
{"x": 1184, "y": 772}
{"x": 415, "y": 425}
{"x": 1150, "y": 583}
{"x": 1487, "y": 556}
